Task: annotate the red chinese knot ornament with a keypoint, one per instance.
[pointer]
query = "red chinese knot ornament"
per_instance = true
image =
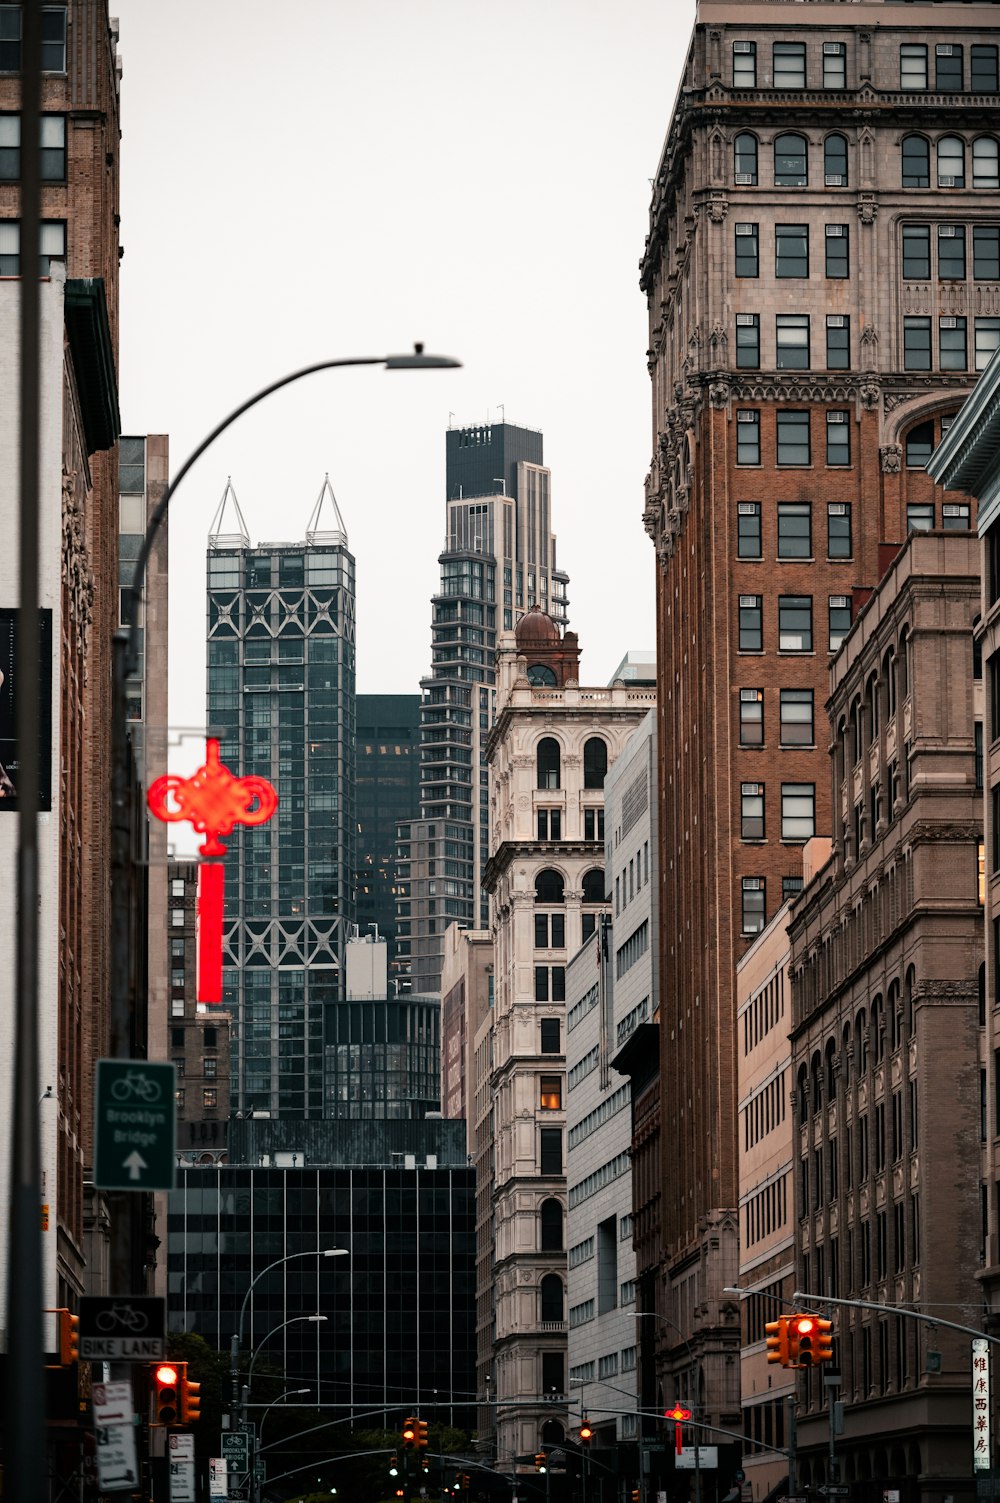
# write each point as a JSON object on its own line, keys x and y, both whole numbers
{"x": 212, "y": 801}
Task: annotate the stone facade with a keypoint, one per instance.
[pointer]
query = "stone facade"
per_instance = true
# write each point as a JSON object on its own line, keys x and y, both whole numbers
{"x": 805, "y": 355}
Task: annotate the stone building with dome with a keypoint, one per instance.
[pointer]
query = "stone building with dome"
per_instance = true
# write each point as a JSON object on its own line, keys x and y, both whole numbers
{"x": 548, "y": 754}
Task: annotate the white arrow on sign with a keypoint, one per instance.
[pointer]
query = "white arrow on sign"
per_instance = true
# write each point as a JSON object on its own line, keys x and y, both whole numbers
{"x": 135, "y": 1163}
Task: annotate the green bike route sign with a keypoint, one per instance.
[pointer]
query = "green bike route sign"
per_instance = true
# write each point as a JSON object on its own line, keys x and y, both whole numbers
{"x": 134, "y": 1125}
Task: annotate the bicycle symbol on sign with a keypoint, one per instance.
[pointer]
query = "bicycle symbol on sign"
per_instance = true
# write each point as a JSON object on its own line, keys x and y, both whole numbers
{"x": 121, "y": 1316}
{"x": 135, "y": 1085}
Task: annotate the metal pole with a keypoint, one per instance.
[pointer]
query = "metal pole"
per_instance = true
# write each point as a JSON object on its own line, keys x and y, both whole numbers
{"x": 24, "y": 1411}
{"x": 697, "y": 1471}
{"x": 793, "y": 1478}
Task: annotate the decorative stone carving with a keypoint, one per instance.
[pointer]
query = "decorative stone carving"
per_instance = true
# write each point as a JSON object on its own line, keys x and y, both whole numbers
{"x": 890, "y": 456}
{"x": 869, "y": 396}
{"x": 718, "y": 394}
{"x": 867, "y": 209}
{"x": 718, "y": 208}
{"x": 719, "y": 342}
{"x": 77, "y": 574}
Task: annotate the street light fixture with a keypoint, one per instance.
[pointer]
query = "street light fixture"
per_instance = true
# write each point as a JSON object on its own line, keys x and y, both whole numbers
{"x": 237, "y": 1340}
{"x": 314, "y": 1319}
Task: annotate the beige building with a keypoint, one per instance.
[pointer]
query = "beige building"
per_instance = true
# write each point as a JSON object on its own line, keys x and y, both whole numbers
{"x": 889, "y": 1104}
{"x": 548, "y": 754}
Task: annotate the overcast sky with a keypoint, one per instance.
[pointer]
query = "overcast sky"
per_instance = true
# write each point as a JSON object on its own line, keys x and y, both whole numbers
{"x": 326, "y": 178}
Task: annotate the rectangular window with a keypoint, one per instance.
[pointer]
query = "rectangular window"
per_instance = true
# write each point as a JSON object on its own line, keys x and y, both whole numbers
{"x": 550, "y": 824}
{"x": 748, "y": 542}
{"x": 917, "y": 252}
{"x": 912, "y": 65}
{"x": 541, "y": 983}
{"x": 951, "y": 252}
{"x": 797, "y": 717}
{"x": 10, "y": 148}
{"x": 795, "y": 623}
{"x": 791, "y": 886}
{"x": 793, "y": 438}
{"x": 747, "y": 434}
{"x": 789, "y": 61}
{"x": 983, "y": 77}
{"x": 791, "y": 250}
{"x": 550, "y": 1043}
{"x": 986, "y": 252}
{"x": 916, "y": 344}
{"x": 53, "y": 145}
{"x": 744, "y": 65}
{"x": 593, "y": 824}
{"x": 550, "y": 1150}
{"x": 751, "y": 623}
{"x": 838, "y": 530}
{"x": 956, "y": 516}
{"x": 550, "y": 1093}
{"x": 753, "y": 905}
{"x": 752, "y": 811}
{"x": 52, "y": 243}
{"x": 920, "y": 516}
{"x": 838, "y": 342}
{"x": 794, "y": 530}
{"x": 751, "y": 717}
{"x": 836, "y": 238}
{"x": 210, "y": 1067}
{"x": 798, "y": 811}
{"x": 747, "y": 341}
{"x": 948, "y": 68}
{"x": 835, "y": 65}
{"x": 838, "y": 438}
{"x": 987, "y": 338}
{"x": 53, "y": 39}
{"x": 747, "y": 251}
{"x": 952, "y": 344}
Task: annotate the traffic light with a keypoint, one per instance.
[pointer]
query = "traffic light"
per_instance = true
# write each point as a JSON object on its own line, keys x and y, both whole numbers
{"x": 801, "y": 1336}
{"x": 421, "y": 1435}
{"x": 69, "y": 1338}
{"x": 393, "y": 1466}
{"x": 466, "y": 1479}
{"x": 190, "y": 1394}
{"x": 165, "y": 1394}
{"x": 539, "y": 1461}
{"x": 409, "y": 1434}
{"x": 824, "y": 1340}
{"x": 586, "y": 1433}
{"x": 777, "y": 1340}
{"x": 636, "y": 1495}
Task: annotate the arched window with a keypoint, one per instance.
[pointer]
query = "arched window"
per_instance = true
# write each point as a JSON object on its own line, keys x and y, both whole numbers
{"x": 835, "y": 161}
{"x": 873, "y": 709}
{"x": 551, "y": 1289}
{"x": 904, "y": 663}
{"x": 547, "y": 758}
{"x": 911, "y": 1016}
{"x": 916, "y": 162}
{"x": 919, "y": 445}
{"x": 889, "y": 680}
{"x": 549, "y": 886}
{"x": 951, "y": 162}
{"x": 745, "y": 158}
{"x": 831, "y": 1070}
{"x": 816, "y": 1082}
{"x": 595, "y": 762}
{"x": 802, "y": 1086}
{"x": 790, "y": 162}
{"x": 593, "y": 886}
{"x": 878, "y": 1030}
{"x": 985, "y": 162}
{"x": 845, "y": 1055}
{"x": 550, "y": 1217}
{"x": 894, "y": 1019}
{"x": 861, "y": 1043}
{"x": 857, "y": 727}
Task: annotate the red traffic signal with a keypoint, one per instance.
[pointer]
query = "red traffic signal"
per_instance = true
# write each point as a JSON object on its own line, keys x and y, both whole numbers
{"x": 165, "y": 1396}
{"x": 802, "y": 1334}
{"x": 586, "y": 1432}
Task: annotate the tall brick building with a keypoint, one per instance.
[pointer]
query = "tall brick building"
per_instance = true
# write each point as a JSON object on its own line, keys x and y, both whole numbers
{"x": 822, "y": 273}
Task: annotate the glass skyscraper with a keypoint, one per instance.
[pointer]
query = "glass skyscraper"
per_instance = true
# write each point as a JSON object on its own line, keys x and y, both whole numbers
{"x": 499, "y": 559}
{"x": 281, "y": 698}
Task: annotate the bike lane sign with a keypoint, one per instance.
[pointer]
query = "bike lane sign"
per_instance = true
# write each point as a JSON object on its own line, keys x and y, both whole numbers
{"x": 132, "y": 1329}
{"x": 134, "y": 1125}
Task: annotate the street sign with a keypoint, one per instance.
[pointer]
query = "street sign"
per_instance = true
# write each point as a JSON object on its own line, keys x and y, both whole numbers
{"x": 217, "y": 1486}
{"x": 112, "y": 1403}
{"x": 122, "y": 1330}
{"x": 834, "y": 1490}
{"x": 236, "y": 1451}
{"x": 134, "y": 1125}
{"x": 708, "y": 1458}
{"x": 117, "y": 1467}
{"x": 180, "y": 1455}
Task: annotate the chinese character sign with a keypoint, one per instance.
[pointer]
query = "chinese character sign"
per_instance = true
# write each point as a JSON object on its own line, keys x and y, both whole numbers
{"x": 212, "y": 801}
{"x": 981, "y": 1426}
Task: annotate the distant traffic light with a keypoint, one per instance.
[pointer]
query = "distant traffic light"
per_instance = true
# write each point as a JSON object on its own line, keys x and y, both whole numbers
{"x": 190, "y": 1395}
{"x": 165, "y": 1394}
{"x": 393, "y": 1466}
{"x": 539, "y": 1461}
{"x": 69, "y": 1338}
{"x": 586, "y": 1432}
{"x": 421, "y": 1435}
{"x": 636, "y": 1495}
{"x": 801, "y": 1335}
{"x": 824, "y": 1340}
{"x": 409, "y": 1434}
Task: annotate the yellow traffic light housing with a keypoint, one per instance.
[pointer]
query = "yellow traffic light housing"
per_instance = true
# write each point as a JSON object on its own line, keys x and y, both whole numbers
{"x": 802, "y": 1335}
{"x": 421, "y": 1435}
{"x": 776, "y": 1332}
{"x": 69, "y": 1338}
{"x": 824, "y": 1340}
{"x": 409, "y": 1434}
{"x": 539, "y": 1461}
{"x": 190, "y": 1394}
{"x": 165, "y": 1395}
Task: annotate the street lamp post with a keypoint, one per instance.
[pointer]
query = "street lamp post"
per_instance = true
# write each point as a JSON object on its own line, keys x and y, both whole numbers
{"x": 291, "y": 1393}
{"x": 665, "y": 1320}
{"x": 237, "y": 1340}
{"x": 315, "y": 1319}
